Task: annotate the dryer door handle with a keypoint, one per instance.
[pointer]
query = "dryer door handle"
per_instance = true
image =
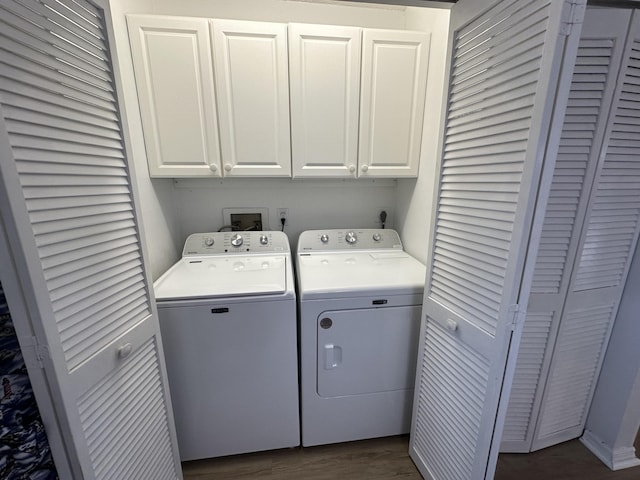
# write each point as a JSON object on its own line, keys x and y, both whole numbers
{"x": 332, "y": 356}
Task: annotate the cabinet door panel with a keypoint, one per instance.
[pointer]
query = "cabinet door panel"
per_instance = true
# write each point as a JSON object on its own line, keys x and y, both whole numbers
{"x": 253, "y": 91}
{"x": 325, "y": 94}
{"x": 174, "y": 77}
{"x": 394, "y": 76}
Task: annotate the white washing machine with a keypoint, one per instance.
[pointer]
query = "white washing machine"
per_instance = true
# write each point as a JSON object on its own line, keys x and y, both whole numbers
{"x": 228, "y": 321}
{"x": 360, "y": 300}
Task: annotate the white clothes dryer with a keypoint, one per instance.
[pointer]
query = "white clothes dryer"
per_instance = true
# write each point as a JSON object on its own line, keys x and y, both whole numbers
{"x": 360, "y": 300}
{"x": 227, "y": 314}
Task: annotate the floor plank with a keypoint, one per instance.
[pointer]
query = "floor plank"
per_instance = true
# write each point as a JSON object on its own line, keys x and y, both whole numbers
{"x": 376, "y": 459}
{"x": 387, "y": 458}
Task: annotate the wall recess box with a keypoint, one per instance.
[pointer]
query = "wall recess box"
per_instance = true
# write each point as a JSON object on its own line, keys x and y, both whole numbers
{"x": 246, "y": 218}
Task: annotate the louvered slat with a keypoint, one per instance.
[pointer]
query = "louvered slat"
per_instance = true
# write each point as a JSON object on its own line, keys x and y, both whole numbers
{"x": 612, "y": 224}
{"x": 465, "y": 376}
{"x": 578, "y": 354}
{"x": 533, "y": 346}
{"x": 483, "y": 162}
{"x": 67, "y": 70}
{"x": 24, "y": 15}
{"x": 125, "y": 410}
{"x": 576, "y": 144}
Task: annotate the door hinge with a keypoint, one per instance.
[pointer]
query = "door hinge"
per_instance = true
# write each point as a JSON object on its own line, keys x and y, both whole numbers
{"x": 572, "y": 14}
{"x": 517, "y": 315}
{"x": 34, "y": 353}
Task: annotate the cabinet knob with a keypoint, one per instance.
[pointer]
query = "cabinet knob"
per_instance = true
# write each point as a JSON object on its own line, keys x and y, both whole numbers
{"x": 227, "y": 167}
{"x": 125, "y": 350}
{"x": 364, "y": 168}
{"x": 452, "y": 325}
{"x": 352, "y": 168}
{"x": 213, "y": 167}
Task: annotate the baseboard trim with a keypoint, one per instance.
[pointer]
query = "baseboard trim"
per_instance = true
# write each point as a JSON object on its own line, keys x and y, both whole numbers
{"x": 616, "y": 459}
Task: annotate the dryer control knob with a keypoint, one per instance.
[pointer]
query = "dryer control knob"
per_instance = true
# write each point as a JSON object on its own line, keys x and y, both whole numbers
{"x": 264, "y": 239}
{"x": 237, "y": 240}
{"x": 351, "y": 237}
{"x": 376, "y": 237}
{"x": 208, "y": 241}
{"x": 324, "y": 238}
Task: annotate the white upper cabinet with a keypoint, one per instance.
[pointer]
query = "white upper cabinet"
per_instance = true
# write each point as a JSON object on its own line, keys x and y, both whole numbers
{"x": 252, "y": 83}
{"x": 174, "y": 77}
{"x": 216, "y": 98}
{"x": 324, "y": 69}
{"x": 394, "y": 78}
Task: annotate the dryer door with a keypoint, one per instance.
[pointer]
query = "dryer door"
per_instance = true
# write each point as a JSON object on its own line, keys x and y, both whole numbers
{"x": 367, "y": 350}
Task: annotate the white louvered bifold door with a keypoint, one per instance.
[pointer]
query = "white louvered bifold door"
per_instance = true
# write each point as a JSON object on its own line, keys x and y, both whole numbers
{"x": 76, "y": 241}
{"x": 505, "y": 69}
{"x": 607, "y": 243}
{"x": 592, "y": 88}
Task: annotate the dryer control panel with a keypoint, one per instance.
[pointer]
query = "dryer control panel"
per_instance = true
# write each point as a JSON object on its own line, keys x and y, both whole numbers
{"x": 225, "y": 243}
{"x": 349, "y": 239}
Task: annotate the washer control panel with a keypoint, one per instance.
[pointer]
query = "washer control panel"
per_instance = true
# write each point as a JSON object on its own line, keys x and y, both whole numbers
{"x": 352, "y": 239}
{"x": 225, "y": 243}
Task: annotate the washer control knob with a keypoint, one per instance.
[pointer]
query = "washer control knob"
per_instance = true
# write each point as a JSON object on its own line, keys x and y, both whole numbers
{"x": 237, "y": 240}
{"x": 377, "y": 237}
{"x": 208, "y": 241}
{"x": 264, "y": 239}
{"x": 324, "y": 238}
{"x": 351, "y": 237}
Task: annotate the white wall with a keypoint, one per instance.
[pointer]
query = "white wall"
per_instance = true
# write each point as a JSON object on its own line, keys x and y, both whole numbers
{"x": 172, "y": 210}
{"x": 614, "y": 416}
{"x": 415, "y": 196}
{"x": 155, "y": 197}
{"x": 312, "y": 204}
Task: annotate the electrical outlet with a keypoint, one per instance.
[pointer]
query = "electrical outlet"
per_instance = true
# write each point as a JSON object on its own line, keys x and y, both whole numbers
{"x": 283, "y": 213}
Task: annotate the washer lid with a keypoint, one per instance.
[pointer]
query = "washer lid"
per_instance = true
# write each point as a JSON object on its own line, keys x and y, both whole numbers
{"x": 211, "y": 277}
{"x": 332, "y": 275}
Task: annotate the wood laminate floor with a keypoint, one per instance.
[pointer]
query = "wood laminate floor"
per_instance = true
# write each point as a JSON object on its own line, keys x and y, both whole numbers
{"x": 387, "y": 458}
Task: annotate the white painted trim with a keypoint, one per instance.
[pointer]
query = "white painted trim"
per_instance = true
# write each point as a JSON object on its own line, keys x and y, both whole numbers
{"x": 615, "y": 459}
{"x": 208, "y": 183}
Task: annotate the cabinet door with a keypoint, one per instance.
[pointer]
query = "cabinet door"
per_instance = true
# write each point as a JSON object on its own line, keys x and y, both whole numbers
{"x": 325, "y": 94}
{"x": 394, "y": 78}
{"x": 174, "y": 78}
{"x": 252, "y": 81}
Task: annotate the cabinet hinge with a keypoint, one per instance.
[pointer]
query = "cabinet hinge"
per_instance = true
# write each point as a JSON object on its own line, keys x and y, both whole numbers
{"x": 572, "y": 14}
{"x": 517, "y": 315}
{"x": 34, "y": 353}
